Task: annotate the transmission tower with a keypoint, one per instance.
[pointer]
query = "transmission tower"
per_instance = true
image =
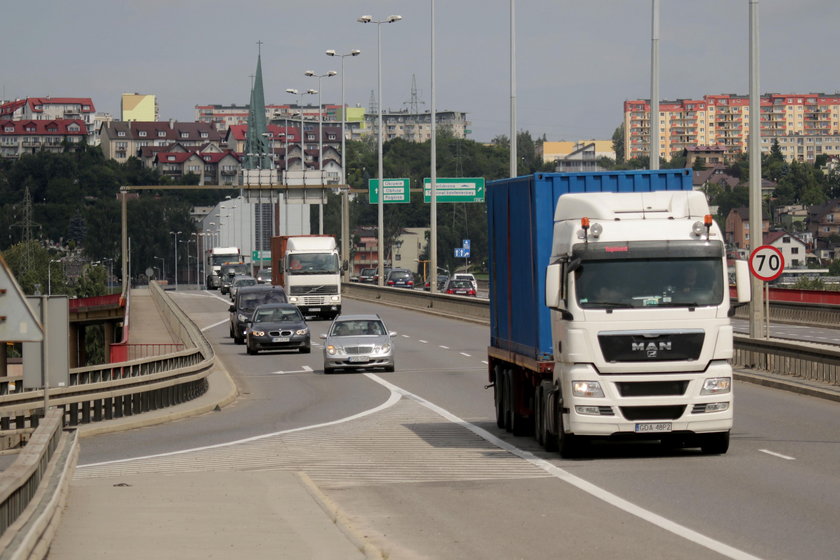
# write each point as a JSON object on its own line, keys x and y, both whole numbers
{"x": 26, "y": 225}
{"x": 414, "y": 102}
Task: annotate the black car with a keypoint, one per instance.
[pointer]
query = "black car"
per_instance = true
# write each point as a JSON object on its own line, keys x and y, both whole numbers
{"x": 247, "y": 300}
{"x": 368, "y": 276}
{"x": 400, "y": 278}
{"x": 277, "y": 326}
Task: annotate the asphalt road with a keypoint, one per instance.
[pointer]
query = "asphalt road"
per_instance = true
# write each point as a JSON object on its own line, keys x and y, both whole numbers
{"x": 421, "y": 469}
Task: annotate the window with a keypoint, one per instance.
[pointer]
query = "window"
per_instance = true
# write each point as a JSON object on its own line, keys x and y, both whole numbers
{"x": 141, "y": 133}
{"x": 786, "y": 239}
{"x": 121, "y": 133}
{"x": 161, "y": 134}
{"x": 794, "y": 250}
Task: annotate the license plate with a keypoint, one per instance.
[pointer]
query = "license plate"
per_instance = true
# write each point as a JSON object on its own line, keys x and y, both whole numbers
{"x": 314, "y": 309}
{"x": 359, "y": 359}
{"x": 280, "y": 339}
{"x": 653, "y": 427}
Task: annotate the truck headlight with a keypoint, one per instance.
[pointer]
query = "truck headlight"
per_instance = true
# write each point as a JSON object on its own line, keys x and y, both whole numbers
{"x": 335, "y": 298}
{"x": 716, "y": 386}
{"x": 587, "y": 389}
{"x": 293, "y": 299}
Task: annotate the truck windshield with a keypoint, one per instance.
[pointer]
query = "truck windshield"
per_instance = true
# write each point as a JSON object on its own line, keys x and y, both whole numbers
{"x": 632, "y": 283}
{"x": 216, "y": 260}
{"x": 312, "y": 263}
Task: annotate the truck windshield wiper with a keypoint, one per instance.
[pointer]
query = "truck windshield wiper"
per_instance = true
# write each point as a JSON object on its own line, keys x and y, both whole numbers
{"x": 608, "y": 304}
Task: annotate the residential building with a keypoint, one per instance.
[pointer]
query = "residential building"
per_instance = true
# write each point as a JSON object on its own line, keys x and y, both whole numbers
{"x": 137, "y": 107}
{"x": 552, "y": 151}
{"x": 417, "y": 127}
{"x": 213, "y": 165}
{"x": 404, "y": 252}
{"x": 824, "y": 219}
{"x": 53, "y": 109}
{"x": 737, "y": 228}
{"x": 582, "y": 159}
{"x": 18, "y": 137}
{"x": 794, "y": 250}
{"x": 122, "y": 140}
{"x": 723, "y": 120}
{"x": 225, "y": 116}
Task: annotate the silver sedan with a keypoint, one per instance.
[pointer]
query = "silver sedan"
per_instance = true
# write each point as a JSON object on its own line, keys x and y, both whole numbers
{"x": 358, "y": 342}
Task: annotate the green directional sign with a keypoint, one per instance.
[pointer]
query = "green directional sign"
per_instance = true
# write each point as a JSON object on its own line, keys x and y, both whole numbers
{"x": 396, "y": 191}
{"x": 461, "y": 189}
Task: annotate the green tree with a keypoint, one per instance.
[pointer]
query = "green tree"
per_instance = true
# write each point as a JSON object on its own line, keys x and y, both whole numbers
{"x": 618, "y": 143}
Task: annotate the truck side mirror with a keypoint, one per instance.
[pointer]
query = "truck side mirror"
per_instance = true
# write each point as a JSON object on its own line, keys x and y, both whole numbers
{"x": 553, "y": 299}
{"x": 742, "y": 281}
{"x": 345, "y": 265}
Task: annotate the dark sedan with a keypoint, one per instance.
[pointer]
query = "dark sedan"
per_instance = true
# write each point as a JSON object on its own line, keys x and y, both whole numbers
{"x": 277, "y": 326}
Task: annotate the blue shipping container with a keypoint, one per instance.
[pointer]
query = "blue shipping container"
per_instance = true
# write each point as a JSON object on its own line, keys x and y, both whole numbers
{"x": 520, "y": 220}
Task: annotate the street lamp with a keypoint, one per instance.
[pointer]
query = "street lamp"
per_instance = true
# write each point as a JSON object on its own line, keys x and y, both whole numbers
{"x": 380, "y": 207}
{"x": 176, "y": 234}
{"x": 345, "y": 244}
{"x": 300, "y": 95}
{"x": 312, "y": 74}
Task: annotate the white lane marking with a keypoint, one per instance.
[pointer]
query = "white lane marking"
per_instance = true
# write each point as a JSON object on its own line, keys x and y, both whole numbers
{"x": 774, "y": 454}
{"x": 424, "y": 341}
{"x": 484, "y": 362}
{"x": 405, "y": 336}
{"x": 465, "y": 354}
{"x": 444, "y": 347}
{"x": 588, "y": 487}
{"x": 393, "y": 399}
{"x": 215, "y": 325}
{"x": 306, "y": 369}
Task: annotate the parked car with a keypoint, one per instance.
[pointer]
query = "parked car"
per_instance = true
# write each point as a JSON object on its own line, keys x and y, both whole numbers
{"x": 466, "y": 276}
{"x": 247, "y": 300}
{"x": 368, "y": 276}
{"x": 277, "y": 326}
{"x": 460, "y": 287}
{"x": 264, "y": 275}
{"x": 400, "y": 278}
{"x": 240, "y": 281}
{"x": 442, "y": 279}
{"x": 358, "y": 341}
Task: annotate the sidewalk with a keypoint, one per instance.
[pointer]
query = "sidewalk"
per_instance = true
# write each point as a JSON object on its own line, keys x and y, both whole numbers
{"x": 267, "y": 514}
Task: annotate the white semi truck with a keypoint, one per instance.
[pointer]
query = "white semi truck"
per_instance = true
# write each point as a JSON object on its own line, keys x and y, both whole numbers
{"x": 308, "y": 267}
{"x": 610, "y": 309}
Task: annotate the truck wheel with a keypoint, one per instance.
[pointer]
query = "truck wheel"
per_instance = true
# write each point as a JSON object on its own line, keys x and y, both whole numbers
{"x": 499, "y": 393}
{"x": 539, "y": 420}
{"x": 508, "y": 380}
{"x": 568, "y": 445}
{"x": 715, "y": 444}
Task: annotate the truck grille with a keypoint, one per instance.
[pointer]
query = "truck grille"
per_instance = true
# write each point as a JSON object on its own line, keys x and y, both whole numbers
{"x": 652, "y": 412}
{"x": 328, "y": 290}
{"x": 651, "y": 388}
{"x": 651, "y": 347}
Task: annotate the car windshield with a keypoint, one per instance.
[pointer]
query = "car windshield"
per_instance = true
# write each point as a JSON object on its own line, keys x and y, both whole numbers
{"x": 358, "y": 328}
{"x": 631, "y": 283}
{"x": 277, "y": 315}
{"x": 248, "y": 302}
{"x": 313, "y": 263}
{"x": 245, "y": 282}
{"x": 460, "y": 284}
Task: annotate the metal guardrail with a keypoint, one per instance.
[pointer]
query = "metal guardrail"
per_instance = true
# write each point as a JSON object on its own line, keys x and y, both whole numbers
{"x": 121, "y": 389}
{"x": 795, "y": 359}
{"x": 34, "y": 489}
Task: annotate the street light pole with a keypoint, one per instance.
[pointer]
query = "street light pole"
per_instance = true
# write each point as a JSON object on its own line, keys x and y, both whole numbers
{"x": 312, "y": 74}
{"x": 380, "y": 206}
{"x": 176, "y": 234}
{"x": 300, "y": 95}
{"x": 162, "y": 267}
{"x": 345, "y": 234}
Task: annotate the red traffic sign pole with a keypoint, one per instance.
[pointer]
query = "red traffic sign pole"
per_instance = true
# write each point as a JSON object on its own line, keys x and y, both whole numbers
{"x": 767, "y": 263}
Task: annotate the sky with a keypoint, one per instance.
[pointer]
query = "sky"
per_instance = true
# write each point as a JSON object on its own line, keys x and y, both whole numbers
{"x": 576, "y": 61}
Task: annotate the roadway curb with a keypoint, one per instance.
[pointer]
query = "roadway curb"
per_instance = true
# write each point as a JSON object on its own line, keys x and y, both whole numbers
{"x": 342, "y": 522}
{"x": 219, "y": 381}
{"x": 794, "y": 384}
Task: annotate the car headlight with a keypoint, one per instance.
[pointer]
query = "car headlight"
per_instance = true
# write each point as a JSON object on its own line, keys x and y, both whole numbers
{"x": 716, "y": 386}
{"x": 587, "y": 389}
{"x": 242, "y": 317}
{"x": 302, "y": 331}
{"x": 331, "y": 350}
{"x": 258, "y": 333}
{"x": 382, "y": 349}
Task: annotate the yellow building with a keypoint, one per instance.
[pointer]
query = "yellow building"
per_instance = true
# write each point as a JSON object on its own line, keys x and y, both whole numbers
{"x": 552, "y": 151}
{"x": 138, "y": 108}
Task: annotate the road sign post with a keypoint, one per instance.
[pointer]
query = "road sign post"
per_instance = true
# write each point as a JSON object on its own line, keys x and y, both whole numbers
{"x": 766, "y": 263}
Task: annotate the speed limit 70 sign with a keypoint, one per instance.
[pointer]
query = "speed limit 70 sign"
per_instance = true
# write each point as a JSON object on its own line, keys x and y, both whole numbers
{"x": 767, "y": 263}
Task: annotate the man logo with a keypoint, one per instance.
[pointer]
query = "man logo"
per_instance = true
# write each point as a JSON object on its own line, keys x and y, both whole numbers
{"x": 652, "y": 349}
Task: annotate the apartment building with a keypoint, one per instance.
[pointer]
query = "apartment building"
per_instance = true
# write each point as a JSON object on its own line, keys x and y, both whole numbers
{"x": 417, "y": 127}
{"x": 18, "y": 137}
{"x": 225, "y": 116}
{"x": 53, "y": 109}
{"x": 723, "y": 120}
{"x": 139, "y": 107}
{"x": 122, "y": 140}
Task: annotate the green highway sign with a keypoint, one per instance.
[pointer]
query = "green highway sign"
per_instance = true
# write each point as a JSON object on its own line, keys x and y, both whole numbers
{"x": 396, "y": 191}
{"x": 460, "y": 189}
{"x": 264, "y": 256}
